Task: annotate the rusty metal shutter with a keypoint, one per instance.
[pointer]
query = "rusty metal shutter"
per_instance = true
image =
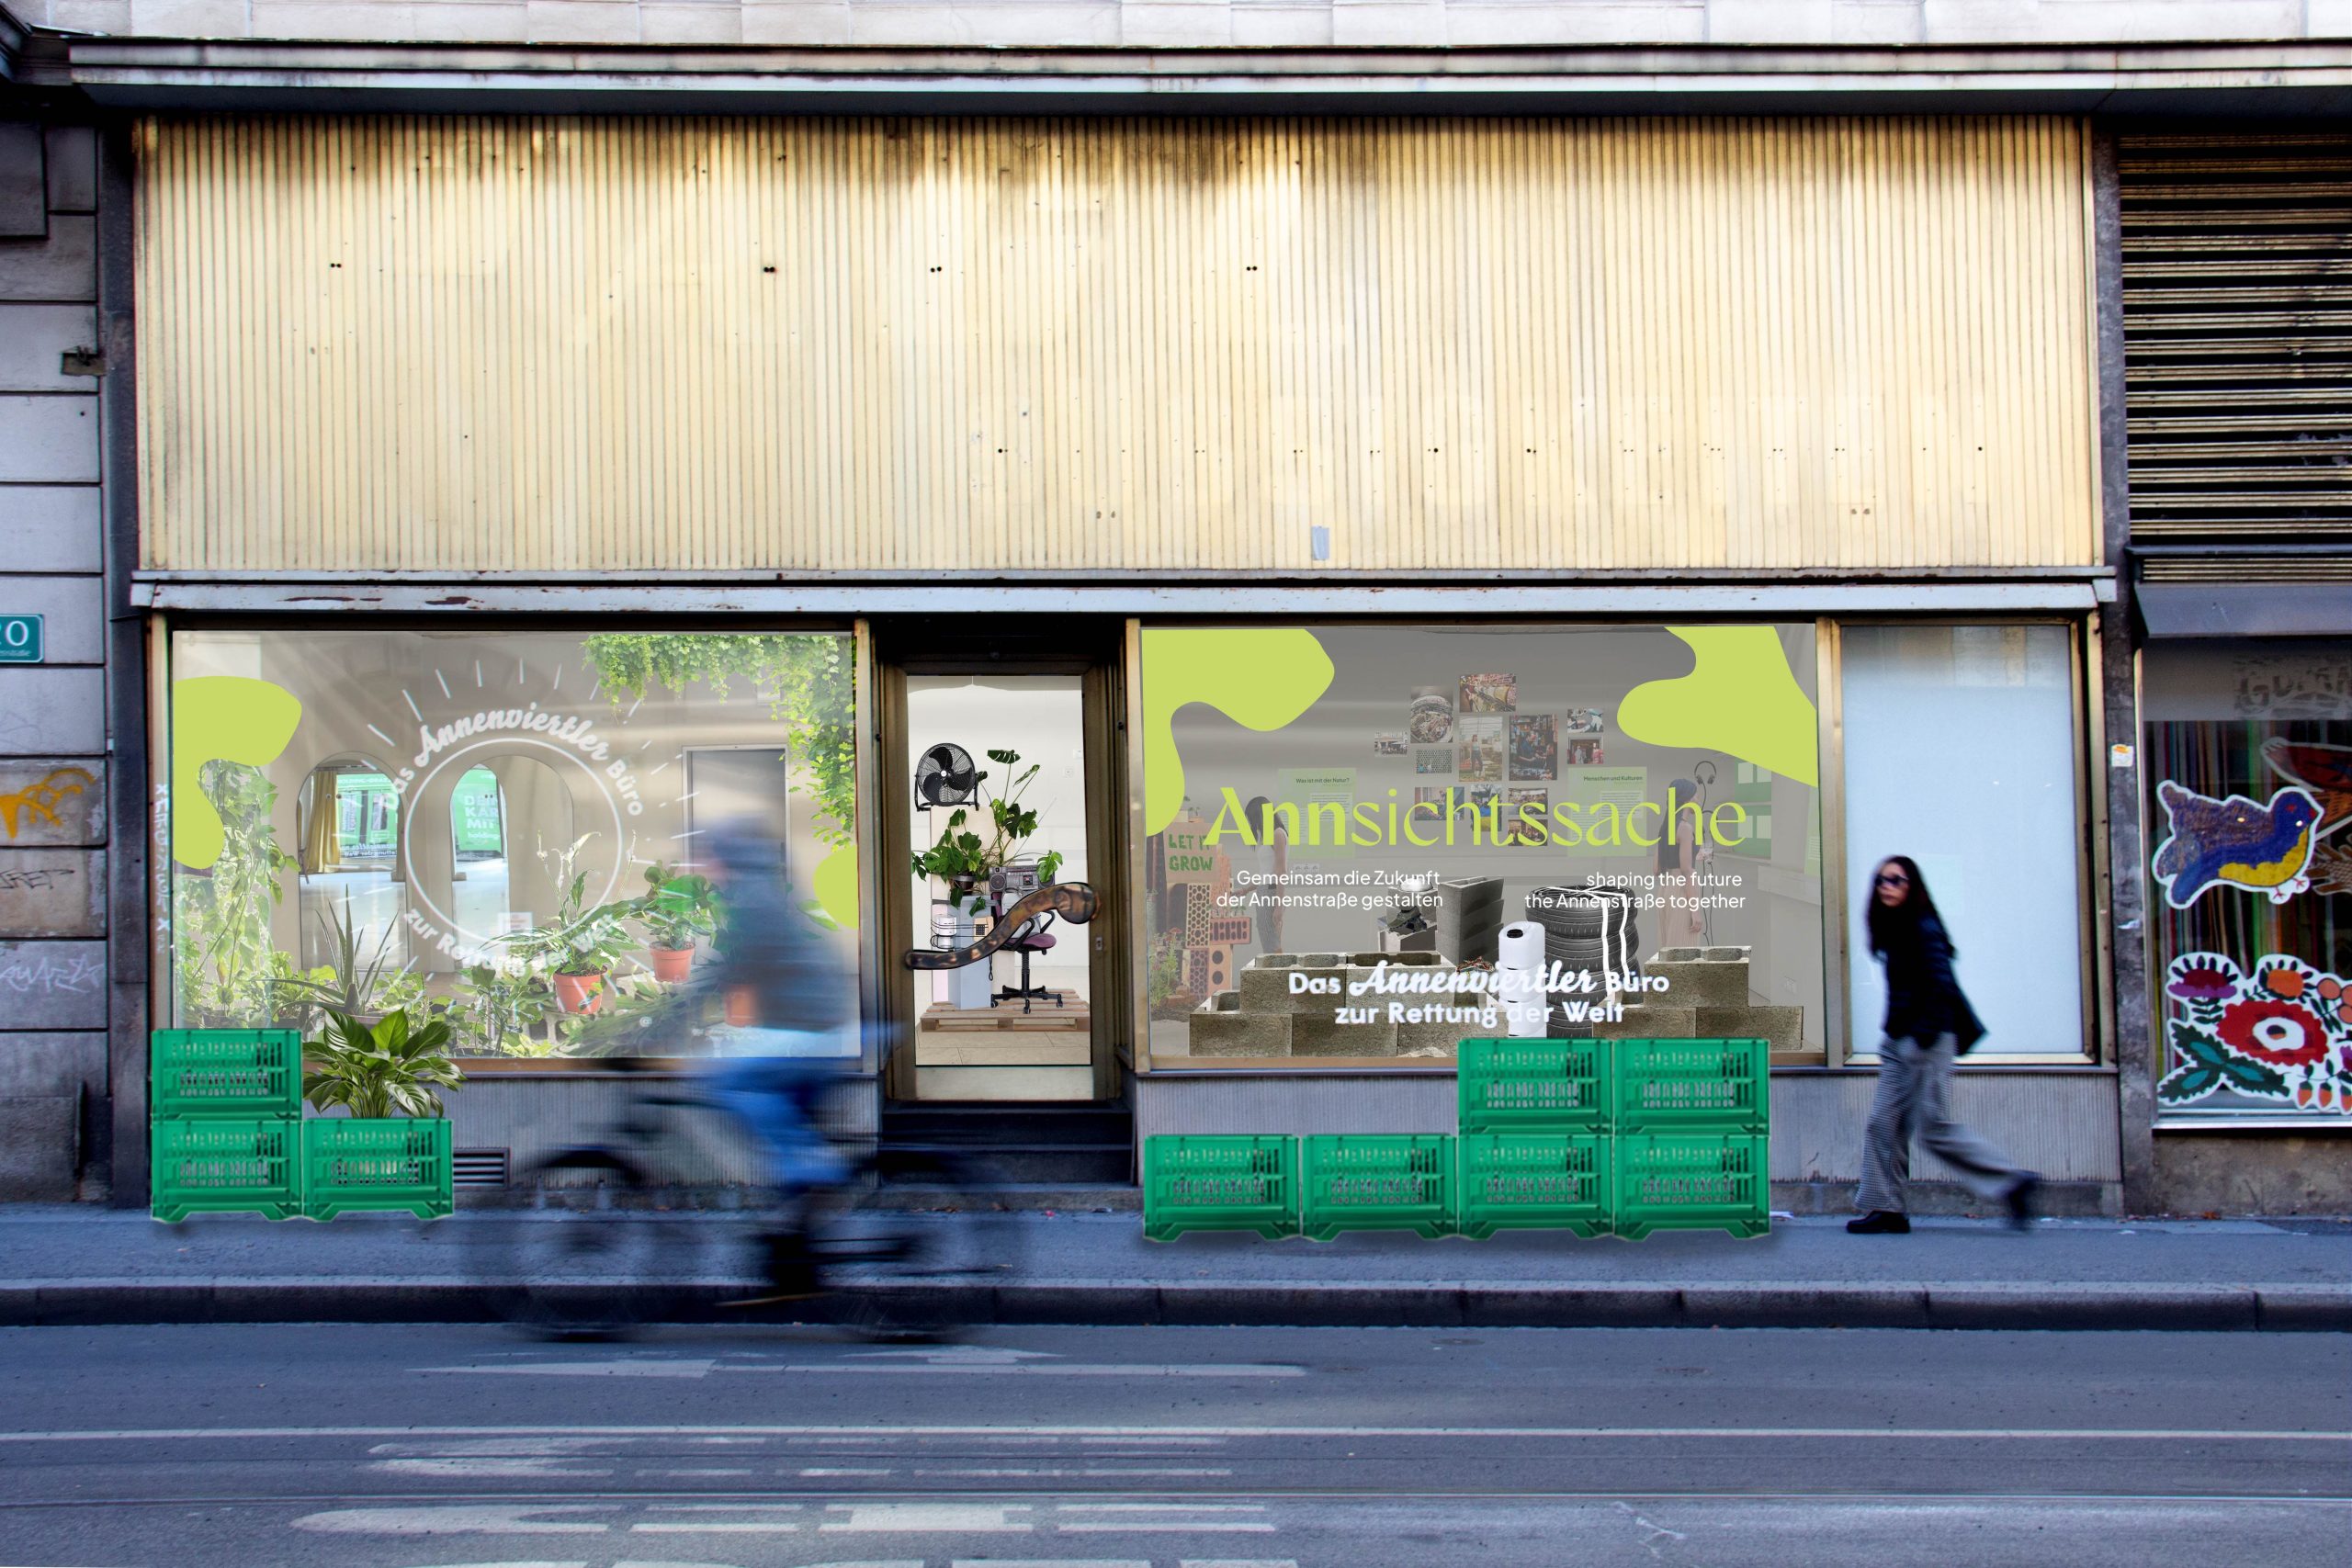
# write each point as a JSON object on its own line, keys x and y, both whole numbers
{"x": 2237, "y": 326}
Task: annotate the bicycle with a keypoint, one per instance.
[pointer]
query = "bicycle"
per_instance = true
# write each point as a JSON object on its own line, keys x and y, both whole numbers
{"x": 589, "y": 1253}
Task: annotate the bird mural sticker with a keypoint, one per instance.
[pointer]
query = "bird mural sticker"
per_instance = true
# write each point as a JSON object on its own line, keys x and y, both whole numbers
{"x": 2236, "y": 842}
{"x": 2326, "y": 771}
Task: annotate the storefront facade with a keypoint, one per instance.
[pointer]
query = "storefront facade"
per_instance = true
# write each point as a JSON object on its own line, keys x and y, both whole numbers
{"x": 1334, "y": 514}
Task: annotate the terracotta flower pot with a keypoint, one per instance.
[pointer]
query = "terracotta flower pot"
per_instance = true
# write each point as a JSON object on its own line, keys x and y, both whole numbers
{"x": 579, "y": 993}
{"x": 672, "y": 964}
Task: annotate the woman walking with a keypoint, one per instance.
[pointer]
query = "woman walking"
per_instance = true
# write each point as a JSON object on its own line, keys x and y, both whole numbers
{"x": 1929, "y": 1023}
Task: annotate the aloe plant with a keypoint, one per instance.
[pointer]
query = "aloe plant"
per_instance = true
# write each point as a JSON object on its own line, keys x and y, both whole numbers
{"x": 386, "y": 1069}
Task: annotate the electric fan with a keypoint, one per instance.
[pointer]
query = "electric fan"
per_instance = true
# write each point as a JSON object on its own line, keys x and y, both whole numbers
{"x": 945, "y": 776}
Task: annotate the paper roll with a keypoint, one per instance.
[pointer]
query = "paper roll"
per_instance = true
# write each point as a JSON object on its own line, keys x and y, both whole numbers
{"x": 1519, "y": 961}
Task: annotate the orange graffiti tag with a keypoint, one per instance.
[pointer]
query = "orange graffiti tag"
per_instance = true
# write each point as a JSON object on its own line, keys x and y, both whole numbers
{"x": 40, "y": 801}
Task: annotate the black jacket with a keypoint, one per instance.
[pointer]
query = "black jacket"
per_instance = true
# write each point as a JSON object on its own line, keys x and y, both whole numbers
{"x": 1922, "y": 999}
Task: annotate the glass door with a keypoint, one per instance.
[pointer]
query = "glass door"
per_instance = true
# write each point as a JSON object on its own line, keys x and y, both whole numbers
{"x": 996, "y": 771}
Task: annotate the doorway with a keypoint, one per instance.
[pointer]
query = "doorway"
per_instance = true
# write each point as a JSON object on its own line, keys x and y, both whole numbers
{"x": 1014, "y": 766}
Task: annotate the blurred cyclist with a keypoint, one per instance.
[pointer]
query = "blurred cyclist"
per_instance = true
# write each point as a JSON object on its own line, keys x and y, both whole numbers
{"x": 784, "y": 1047}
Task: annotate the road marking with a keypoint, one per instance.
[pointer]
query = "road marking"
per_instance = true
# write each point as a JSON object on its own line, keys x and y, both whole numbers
{"x": 1178, "y": 1434}
{"x": 510, "y": 1469}
{"x": 1120, "y": 1470}
{"x": 1019, "y": 1368}
{"x": 648, "y": 1368}
{"x": 466, "y": 1519}
{"x": 928, "y": 1517}
{"x": 839, "y": 1469}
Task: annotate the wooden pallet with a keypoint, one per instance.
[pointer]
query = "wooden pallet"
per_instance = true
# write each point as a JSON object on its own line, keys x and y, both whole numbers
{"x": 1042, "y": 1017}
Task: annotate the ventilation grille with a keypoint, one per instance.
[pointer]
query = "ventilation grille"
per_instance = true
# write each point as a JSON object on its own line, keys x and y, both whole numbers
{"x": 480, "y": 1168}
{"x": 2235, "y": 570}
{"x": 2238, "y": 331}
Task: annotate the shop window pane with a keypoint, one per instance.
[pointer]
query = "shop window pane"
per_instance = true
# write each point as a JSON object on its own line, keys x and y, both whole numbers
{"x": 415, "y": 814}
{"x": 1630, "y": 811}
{"x": 1961, "y": 753}
{"x": 2248, "y": 771}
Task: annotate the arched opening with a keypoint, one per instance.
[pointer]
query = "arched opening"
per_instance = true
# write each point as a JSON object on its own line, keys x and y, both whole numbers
{"x": 348, "y": 824}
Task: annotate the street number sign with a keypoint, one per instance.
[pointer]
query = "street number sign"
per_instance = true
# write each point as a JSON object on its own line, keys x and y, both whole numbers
{"x": 21, "y": 639}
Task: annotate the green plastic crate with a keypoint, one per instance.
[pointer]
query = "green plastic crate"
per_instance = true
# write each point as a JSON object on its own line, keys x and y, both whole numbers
{"x": 1376, "y": 1182}
{"x": 1713, "y": 1086}
{"x": 243, "y": 1073}
{"x": 1691, "y": 1182}
{"x": 1534, "y": 1182}
{"x": 1222, "y": 1182}
{"x": 350, "y": 1164}
{"x": 222, "y": 1165}
{"x": 1534, "y": 1086}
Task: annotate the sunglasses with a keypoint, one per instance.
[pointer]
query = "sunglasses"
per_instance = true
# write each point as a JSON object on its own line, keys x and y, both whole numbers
{"x": 1892, "y": 879}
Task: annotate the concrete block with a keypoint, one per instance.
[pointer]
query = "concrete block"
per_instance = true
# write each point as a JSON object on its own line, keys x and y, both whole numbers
{"x": 1650, "y": 1022}
{"x": 91, "y": 16}
{"x": 692, "y": 24}
{"x": 51, "y": 529}
{"x": 1221, "y": 1029}
{"x": 1321, "y": 1035}
{"x": 53, "y": 802}
{"x": 39, "y": 1141}
{"x": 55, "y": 1062}
{"x": 1701, "y": 977}
{"x": 583, "y": 21}
{"x": 73, "y": 169}
{"x": 1183, "y": 25}
{"x": 189, "y": 19}
{"x": 1782, "y": 1027}
{"x": 63, "y": 266}
{"x": 53, "y": 985}
{"x": 1266, "y": 982}
{"x": 53, "y": 893}
{"x": 48, "y": 439}
{"x": 23, "y": 184}
{"x": 73, "y": 611}
{"x": 1260, "y": 26}
{"x": 45, "y": 711}
{"x": 1444, "y": 1039}
{"x": 795, "y": 21}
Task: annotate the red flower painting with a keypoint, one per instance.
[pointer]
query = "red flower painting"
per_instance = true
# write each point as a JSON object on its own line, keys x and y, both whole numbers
{"x": 2282, "y": 1033}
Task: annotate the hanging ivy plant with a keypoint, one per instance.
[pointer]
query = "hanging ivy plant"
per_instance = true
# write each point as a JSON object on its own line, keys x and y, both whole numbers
{"x": 808, "y": 682}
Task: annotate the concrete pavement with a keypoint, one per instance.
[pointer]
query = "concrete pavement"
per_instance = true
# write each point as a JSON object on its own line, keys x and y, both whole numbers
{"x": 389, "y": 1446}
{"x": 81, "y": 1265}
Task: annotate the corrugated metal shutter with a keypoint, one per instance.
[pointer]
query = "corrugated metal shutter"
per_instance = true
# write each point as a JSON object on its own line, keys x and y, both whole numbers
{"x": 543, "y": 345}
{"x": 2237, "y": 324}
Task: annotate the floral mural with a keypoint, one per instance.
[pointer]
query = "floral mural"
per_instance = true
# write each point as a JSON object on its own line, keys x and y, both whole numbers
{"x": 2282, "y": 1033}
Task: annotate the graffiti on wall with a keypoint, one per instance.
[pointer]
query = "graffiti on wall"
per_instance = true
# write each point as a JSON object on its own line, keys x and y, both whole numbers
{"x": 2281, "y": 1032}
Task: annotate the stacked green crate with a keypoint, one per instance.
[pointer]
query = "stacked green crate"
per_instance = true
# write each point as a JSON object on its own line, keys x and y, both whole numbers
{"x": 1692, "y": 1129}
{"x": 1376, "y": 1181}
{"x": 1228, "y": 1183}
{"x": 1533, "y": 1148}
{"x": 353, "y": 1163}
{"x": 227, "y": 1108}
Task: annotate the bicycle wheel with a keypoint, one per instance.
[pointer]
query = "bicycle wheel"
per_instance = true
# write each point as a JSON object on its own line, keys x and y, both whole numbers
{"x": 584, "y": 1256}
{"x": 909, "y": 1250}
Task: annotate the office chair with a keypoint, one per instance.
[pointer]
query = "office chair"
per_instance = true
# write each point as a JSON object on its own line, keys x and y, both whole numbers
{"x": 1007, "y": 887}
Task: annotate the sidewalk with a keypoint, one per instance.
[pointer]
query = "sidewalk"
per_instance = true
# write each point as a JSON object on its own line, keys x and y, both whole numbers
{"x": 81, "y": 1265}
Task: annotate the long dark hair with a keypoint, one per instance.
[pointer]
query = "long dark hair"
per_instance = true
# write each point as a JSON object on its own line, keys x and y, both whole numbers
{"x": 1900, "y": 925}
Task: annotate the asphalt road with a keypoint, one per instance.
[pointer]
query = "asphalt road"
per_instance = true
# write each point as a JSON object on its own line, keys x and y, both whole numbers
{"x": 398, "y": 1446}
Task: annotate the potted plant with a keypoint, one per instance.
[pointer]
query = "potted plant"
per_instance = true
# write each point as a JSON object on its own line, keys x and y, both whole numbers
{"x": 392, "y": 1152}
{"x": 387, "y": 1069}
{"x": 963, "y": 860}
{"x": 677, "y": 912}
{"x": 580, "y": 946}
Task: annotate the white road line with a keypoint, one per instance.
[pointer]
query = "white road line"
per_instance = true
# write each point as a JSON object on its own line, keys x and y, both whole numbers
{"x": 1141, "y": 1434}
{"x": 1123, "y": 1470}
{"x": 1005, "y": 1368}
{"x": 927, "y": 1518}
{"x": 838, "y": 1470}
{"x": 1170, "y": 1526}
{"x": 465, "y": 1519}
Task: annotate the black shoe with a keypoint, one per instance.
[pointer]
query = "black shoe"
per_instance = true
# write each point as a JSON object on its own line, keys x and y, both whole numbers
{"x": 1880, "y": 1222}
{"x": 2020, "y": 1201}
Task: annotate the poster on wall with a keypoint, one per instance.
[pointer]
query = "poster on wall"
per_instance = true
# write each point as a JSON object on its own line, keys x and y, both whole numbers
{"x": 2249, "y": 768}
{"x": 1542, "y": 774}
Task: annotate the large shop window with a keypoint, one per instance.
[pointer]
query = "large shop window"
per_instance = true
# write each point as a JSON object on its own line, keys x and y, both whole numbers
{"x": 471, "y": 825}
{"x": 1960, "y": 752}
{"x": 2249, "y": 780}
{"x": 1353, "y": 828}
